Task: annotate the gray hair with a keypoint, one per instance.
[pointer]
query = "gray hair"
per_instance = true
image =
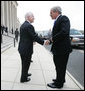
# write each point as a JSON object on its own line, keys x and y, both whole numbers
{"x": 57, "y": 8}
{"x": 28, "y": 14}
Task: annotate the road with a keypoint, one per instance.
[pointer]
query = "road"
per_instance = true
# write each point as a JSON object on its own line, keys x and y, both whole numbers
{"x": 75, "y": 64}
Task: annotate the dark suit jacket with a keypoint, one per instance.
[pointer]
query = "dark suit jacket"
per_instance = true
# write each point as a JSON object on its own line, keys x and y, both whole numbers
{"x": 27, "y": 36}
{"x": 60, "y": 36}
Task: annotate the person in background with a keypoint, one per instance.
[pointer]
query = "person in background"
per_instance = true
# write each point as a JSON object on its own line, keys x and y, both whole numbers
{"x": 6, "y": 30}
{"x": 12, "y": 30}
{"x": 16, "y": 34}
{"x": 1, "y": 32}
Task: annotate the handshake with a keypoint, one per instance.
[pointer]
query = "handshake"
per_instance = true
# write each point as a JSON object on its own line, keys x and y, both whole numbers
{"x": 46, "y": 42}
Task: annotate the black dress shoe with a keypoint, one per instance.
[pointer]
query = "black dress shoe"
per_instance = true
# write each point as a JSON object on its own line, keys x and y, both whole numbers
{"x": 29, "y": 74}
{"x": 54, "y": 80}
{"x": 55, "y": 85}
{"x": 31, "y": 61}
{"x": 26, "y": 80}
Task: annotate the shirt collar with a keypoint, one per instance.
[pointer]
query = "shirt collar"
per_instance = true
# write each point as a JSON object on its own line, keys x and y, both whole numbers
{"x": 28, "y": 21}
{"x": 57, "y": 17}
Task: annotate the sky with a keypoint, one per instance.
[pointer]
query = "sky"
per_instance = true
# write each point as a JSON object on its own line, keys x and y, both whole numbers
{"x": 74, "y": 10}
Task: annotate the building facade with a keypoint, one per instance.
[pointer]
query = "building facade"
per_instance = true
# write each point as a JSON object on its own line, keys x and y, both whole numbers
{"x": 18, "y": 24}
{"x": 9, "y": 15}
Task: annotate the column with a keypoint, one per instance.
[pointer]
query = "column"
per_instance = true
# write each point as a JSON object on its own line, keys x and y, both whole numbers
{"x": 9, "y": 11}
{"x": 15, "y": 18}
{"x": 5, "y": 13}
{"x": 2, "y": 13}
{"x": 12, "y": 17}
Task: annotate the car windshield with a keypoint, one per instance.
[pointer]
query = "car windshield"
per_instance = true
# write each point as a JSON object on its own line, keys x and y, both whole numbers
{"x": 75, "y": 32}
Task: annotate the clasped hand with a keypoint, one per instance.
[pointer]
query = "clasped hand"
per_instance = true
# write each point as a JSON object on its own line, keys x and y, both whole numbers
{"x": 46, "y": 42}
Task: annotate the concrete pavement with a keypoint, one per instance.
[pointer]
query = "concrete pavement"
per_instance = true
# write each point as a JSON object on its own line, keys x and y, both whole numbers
{"x": 42, "y": 69}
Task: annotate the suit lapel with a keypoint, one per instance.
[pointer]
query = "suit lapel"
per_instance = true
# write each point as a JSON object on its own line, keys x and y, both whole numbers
{"x": 56, "y": 24}
{"x": 58, "y": 19}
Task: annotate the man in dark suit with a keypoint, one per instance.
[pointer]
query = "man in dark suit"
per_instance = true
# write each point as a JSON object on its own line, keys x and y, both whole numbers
{"x": 27, "y": 36}
{"x": 16, "y": 34}
{"x": 61, "y": 47}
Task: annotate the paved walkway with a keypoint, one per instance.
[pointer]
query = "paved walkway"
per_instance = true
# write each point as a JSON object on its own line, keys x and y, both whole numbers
{"x": 42, "y": 69}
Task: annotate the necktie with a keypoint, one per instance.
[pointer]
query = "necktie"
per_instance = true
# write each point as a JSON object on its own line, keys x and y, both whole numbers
{"x": 54, "y": 22}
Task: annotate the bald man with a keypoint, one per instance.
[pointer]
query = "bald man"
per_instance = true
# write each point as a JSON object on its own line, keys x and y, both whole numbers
{"x": 27, "y": 36}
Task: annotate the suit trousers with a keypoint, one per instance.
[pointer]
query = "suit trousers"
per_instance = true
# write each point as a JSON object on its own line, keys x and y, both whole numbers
{"x": 60, "y": 62}
{"x": 25, "y": 61}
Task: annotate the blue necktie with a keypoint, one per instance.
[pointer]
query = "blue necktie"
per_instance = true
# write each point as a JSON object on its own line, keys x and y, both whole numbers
{"x": 54, "y": 22}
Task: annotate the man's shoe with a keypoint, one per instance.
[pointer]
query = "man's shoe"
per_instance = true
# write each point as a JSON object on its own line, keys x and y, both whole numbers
{"x": 31, "y": 61}
{"x": 27, "y": 80}
{"x": 29, "y": 74}
{"x": 54, "y": 85}
{"x": 54, "y": 80}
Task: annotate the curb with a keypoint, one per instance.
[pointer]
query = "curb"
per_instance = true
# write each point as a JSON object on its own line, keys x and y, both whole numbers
{"x": 75, "y": 81}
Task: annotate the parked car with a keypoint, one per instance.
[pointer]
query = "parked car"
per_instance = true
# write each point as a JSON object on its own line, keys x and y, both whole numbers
{"x": 77, "y": 38}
